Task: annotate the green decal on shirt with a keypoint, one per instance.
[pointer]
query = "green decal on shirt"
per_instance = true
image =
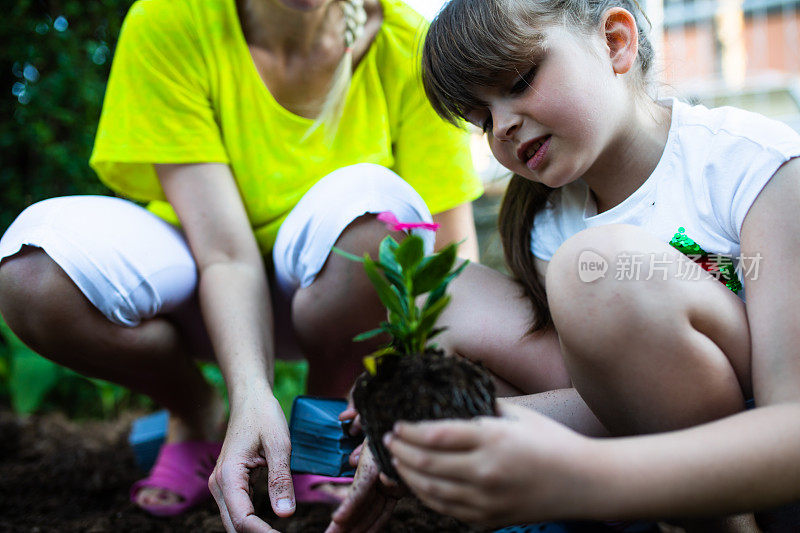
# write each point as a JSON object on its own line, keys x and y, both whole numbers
{"x": 718, "y": 265}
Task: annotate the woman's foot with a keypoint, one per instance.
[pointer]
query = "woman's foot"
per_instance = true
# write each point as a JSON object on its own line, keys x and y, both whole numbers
{"x": 209, "y": 427}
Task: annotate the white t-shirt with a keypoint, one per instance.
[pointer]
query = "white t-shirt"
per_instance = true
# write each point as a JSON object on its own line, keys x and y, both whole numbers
{"x": 715, "y": 163}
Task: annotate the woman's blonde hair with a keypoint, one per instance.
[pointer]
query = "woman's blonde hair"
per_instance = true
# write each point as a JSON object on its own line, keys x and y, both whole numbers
{"x": 355, "y": 19}
{"x": 475, "y": 43}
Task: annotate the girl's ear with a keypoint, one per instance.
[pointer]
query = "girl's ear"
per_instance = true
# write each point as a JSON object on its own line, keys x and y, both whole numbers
{"x": 622, "y": 38}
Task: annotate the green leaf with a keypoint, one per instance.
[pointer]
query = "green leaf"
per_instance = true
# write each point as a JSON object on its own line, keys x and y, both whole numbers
{"x": 5, "y": 369}
{"x": 213, "y": 375}
{"x": 369, "y": 334}
{"x": 434, "y": 271}
{"x": 410, "y": 253}
{"x": 109, "y": 394}
{"x": 430, "y": 316}
{"x": 396, "y": 280}
{"x": 439, "y": 291}
{"x": 391, "y": 268}
{"x": 426, "y": 260}
{"x": 347, "y": 255}
{"x": 397, "y": 331}
{"x": 390, "y": 298}
{"x": 434, "y": 332}
{"x": 386, "y": 253}
{"x": 394, "y": 318}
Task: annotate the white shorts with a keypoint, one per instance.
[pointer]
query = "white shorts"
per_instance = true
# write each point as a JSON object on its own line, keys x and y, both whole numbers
{"x": 132, "y": 265}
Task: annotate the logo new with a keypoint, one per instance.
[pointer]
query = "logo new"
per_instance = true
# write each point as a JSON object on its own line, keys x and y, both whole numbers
{"x": 591, "y": 266}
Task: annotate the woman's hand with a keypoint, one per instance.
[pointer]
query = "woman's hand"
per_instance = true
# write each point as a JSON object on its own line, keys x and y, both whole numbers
{"x": 368, "y": 505}
{"x": 520, "y": 468}
{"x": 257, "y": 436}
{"x": 370, "y": 500}
{"x": 351, "y": 421}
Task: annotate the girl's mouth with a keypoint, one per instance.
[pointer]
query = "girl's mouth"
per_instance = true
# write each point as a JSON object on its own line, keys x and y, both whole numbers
{"x": 534, "y": 154}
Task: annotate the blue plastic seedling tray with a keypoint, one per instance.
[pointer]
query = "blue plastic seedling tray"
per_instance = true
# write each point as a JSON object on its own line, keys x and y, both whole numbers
{"x": 319, "y": 443}
{"x": 146, "y": 437}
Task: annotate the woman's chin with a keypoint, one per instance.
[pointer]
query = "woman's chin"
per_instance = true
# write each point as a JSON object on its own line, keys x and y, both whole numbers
{"x": 304, "y": 6}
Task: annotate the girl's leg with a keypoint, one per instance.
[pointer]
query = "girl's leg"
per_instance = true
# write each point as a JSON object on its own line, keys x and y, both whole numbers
{"x": 106, "y": 243}
{"x": 488, "y": 321}
{"x": 655, "y": 353}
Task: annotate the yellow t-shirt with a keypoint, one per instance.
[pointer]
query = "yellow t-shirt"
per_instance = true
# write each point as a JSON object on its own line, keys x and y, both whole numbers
{"x": 184, "y": 89}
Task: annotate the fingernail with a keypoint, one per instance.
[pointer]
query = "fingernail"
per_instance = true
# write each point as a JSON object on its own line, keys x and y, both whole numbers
{"x": 387, "y": 438}
{"x": 356, "y": 458}
{"x": 284, "y": 505}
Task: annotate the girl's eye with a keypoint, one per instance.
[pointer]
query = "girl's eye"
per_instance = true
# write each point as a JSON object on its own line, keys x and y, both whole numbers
{"x": 524, "y": 81}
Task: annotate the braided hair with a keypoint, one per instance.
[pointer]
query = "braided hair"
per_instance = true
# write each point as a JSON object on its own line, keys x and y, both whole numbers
{"x": 355, "y": 20}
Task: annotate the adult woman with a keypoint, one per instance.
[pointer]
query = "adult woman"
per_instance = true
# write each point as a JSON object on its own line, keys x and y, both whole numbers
{"x": 209, "y": 116}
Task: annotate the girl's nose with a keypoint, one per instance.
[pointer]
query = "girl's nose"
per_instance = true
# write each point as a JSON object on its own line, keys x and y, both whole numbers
{"x": 505, "y": 125}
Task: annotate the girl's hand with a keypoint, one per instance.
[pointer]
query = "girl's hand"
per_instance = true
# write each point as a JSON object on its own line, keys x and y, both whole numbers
{"x": 369, "y": 502}
{"x": 351, "y": 420}
{"x": 520, "y": 468}
{"x": 257, "y": 436}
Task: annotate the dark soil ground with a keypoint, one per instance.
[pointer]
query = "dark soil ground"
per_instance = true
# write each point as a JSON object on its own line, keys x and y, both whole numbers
{"x": 66, "y": 476}
{"x": 59, "y": 475}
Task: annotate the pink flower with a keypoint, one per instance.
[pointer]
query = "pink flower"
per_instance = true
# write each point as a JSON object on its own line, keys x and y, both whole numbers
{"x": 388, "y": 218}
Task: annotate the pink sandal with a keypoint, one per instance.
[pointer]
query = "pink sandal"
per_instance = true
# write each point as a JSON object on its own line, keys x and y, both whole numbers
{"x": 306, "y": 488}
{"x": 182, "y": 468}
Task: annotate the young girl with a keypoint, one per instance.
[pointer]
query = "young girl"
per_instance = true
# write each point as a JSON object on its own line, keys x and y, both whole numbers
{"x": 614, "y": 194}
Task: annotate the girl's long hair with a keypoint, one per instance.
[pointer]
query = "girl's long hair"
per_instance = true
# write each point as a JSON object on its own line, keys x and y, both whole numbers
{"x": 473, "y": 44}
{"x": 523, "y": 200}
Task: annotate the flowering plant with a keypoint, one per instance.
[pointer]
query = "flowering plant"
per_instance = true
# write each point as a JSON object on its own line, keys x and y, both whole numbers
{"x": 409, "y": 378}
{"x": 401, "y": 274}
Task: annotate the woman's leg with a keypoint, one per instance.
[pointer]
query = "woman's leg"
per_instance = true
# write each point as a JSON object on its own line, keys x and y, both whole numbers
{"x": 331, "y": 298}
{"x": 47, "y": 310}
{"x": 340, "y": 304}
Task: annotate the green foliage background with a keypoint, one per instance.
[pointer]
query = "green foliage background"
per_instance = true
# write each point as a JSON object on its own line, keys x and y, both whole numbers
{"x": 55, "y": 59}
